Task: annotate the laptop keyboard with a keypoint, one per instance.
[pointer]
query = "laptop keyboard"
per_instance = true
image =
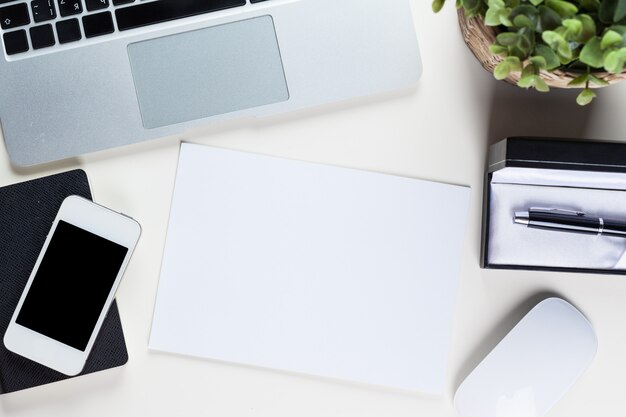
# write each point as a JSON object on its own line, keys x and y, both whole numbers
{"x": 40, "y": 24}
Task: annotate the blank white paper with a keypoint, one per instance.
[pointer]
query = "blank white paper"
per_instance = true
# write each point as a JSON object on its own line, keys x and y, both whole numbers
{"x": 310, "y": 268}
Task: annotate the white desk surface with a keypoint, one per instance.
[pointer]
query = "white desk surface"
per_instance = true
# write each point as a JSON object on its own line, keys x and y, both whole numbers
{"x": 440, "y": 131}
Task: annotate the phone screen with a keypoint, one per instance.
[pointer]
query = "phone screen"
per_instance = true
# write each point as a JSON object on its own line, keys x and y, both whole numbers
{"x": 71, "y": 285}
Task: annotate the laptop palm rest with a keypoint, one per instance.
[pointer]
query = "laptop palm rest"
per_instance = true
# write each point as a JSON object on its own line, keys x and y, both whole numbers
{"x": 208, "y": 72}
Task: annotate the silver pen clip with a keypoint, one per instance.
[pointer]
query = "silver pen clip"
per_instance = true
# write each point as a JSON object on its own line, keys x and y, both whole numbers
{"x": 557, "y": 210}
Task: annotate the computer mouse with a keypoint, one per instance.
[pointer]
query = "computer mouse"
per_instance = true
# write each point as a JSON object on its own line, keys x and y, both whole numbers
{"x": 532, "y": 367}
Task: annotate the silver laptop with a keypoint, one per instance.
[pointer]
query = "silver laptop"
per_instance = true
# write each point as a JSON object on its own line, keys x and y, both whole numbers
{"x": 77, "y": 76}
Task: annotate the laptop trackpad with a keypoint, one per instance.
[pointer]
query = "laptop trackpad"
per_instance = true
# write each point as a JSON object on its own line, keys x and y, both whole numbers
{"x": 207, "y": 72}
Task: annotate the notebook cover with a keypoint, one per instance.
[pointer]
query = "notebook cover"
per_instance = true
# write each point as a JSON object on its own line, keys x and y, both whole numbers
{"x": 27, "y": 211}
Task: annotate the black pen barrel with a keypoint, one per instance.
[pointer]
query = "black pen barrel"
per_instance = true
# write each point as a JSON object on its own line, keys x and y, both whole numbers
{"x": 565, "y": 222}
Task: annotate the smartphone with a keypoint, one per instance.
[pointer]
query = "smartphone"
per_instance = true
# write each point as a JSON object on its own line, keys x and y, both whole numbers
{"x": 72, "y": 285}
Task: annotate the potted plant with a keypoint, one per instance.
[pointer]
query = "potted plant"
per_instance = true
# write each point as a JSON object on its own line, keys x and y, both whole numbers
{"x": 542, "y": 43}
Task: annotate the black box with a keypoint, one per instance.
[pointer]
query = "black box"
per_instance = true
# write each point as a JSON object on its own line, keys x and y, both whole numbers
{"x": 585, "y": 176}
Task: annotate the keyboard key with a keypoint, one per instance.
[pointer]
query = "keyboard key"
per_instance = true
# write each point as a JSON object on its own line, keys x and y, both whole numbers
{"x": 42, "y": 36}
{"x": 118, "y": 2}
{"x": 14, "y": 16}
{"x": 145, "y": 14}
{"x": 96, "y": 4}
{"x": 15, "y": 42}
{"x": 70, "y": 7}
{"x": 68, "y": 31}
{"x": 98, "y": 24}
{"x": 43, "y": 10}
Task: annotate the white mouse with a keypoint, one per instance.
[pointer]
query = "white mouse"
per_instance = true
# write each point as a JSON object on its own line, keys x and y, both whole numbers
{"x": 532, "y": 367}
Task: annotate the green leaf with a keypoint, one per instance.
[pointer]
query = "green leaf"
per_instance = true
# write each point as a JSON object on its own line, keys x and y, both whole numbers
{"x": 508, "y": 38}
{"x": 539, "y": 62}
{"x": 437, "y": 5}
{"x": 614, "y": 62}
{"x": 471, "y": 4}
{"x": 551, "y": 38}
{"x": 497, "y": 14}
{"x": 606, "y": 11}
{"x": 506, "y": 66}
{"x": 548, "y": 18}
{"x": 499, "y": 50}
{"x": 552, "y": 61}
{"x": 526, "y": 81}
{"x": 558, "y": 43}
{"x": 526, "y": 10}
{"x": 574, "y": 27}
{"x": 564, "y": 49}
{"x": 518, "y": 52}
{"x": 580, "y": 80}
{"x": 611, "y": 38}
{"x": 589, "y": 27}
{"x": 590, "y": 5}
{"x": 541, "y": 85}
{"x": 612, "y": 11}
{"x": 496, "y": 4}
{"x": 536, "y": 2}
{"x": 585, "y": 97}
{"x": 621, "y": 29}
{"x": 591, "y": 53}
{"x": 492, "y": 17}
{"x": 473, "y": 7}
{"x": 565, "y": 9}
{"x": 522, "y": 21}
{"x": 530, "y": 69}
{"x": 528, "y": 77}
{"x": 504, "y": 18}
{"x": 597, "y": 81}
{"x": 514, "y": 62}
{"x": 502, "y": 70}
{"x": 527, "y": 40}
{"x": 620, "y": 10}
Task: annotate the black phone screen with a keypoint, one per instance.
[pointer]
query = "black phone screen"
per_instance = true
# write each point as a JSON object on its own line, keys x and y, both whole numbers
{"x": 72, "y": 285}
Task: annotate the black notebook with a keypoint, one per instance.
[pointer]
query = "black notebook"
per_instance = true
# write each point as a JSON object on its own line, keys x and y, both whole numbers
{"x": 27, "y": 211}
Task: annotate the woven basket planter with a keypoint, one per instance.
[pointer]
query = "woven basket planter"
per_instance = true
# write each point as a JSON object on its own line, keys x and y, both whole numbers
{"x": 479, "y": 37}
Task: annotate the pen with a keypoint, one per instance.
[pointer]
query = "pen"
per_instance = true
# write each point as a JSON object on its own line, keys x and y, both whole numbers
{"x": 570, "y": 221}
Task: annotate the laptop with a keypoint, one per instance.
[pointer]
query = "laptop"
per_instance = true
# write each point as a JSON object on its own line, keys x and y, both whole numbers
{"x": 78, "y": 76}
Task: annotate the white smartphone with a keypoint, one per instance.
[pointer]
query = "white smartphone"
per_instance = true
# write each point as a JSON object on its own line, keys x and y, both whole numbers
{"x": 72, "y": 285}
